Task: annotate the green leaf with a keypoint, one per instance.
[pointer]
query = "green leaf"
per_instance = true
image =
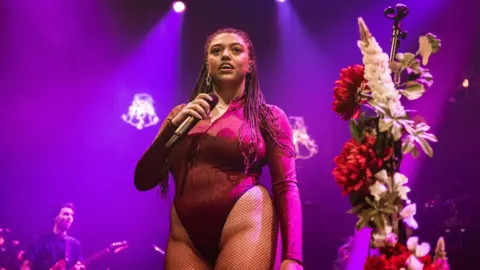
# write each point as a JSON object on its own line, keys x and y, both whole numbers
{"x": 414, "y": 152}
{"x": 414, "y": 67}
{"x": 428, "y": 45}
{"x": 435, "y": 42}
{"x": 354, "y": 130}
{"x": 369, "y": 201}
{"x": 413, "y": 86}
{"x": 361, "y": 223}
{"x": 426, "y": 147}
{"x": 367, "y": 213}
{"x": 425, "y": 49}
{"x": 390, "y": 200}
{"x": 407, "y": 146}
{"x": 400, "y": 57}
{"x": 385, "y": 124}
{"x": 396, "y": 67}
{"x": 356, "y": 209}
{"x": 391, "y": 209}
{"x": 361, "y": 121}
{"x": 407, "y": 60}
{"x": 379, "y": 222}
{"x": 413, "y": 90}
{"x": 426, "y": 77}
{"x": 361, "y": 126}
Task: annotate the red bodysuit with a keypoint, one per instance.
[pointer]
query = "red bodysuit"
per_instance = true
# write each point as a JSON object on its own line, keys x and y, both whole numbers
{"x": 209, "y": 174}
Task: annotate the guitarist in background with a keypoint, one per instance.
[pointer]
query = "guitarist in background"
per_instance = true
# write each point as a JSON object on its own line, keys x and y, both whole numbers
{"x": 55, "y": 250}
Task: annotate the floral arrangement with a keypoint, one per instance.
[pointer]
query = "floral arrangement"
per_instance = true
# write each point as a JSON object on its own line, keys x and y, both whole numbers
{"x": 367, "y": 169}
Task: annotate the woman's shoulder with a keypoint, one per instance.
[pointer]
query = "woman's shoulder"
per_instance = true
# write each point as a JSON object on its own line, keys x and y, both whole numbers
{"x": 277, "y": 111}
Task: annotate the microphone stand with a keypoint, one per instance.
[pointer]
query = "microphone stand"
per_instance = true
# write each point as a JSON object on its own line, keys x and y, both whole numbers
{"x": 397, "y": 14}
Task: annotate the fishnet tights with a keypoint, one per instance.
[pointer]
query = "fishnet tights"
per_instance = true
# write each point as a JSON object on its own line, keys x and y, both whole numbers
{"x": 180, "y": 253}
{"x": 250, "y": 238}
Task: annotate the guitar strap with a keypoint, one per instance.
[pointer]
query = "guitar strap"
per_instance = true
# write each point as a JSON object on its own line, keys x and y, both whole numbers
{"x": 68, "y": 248}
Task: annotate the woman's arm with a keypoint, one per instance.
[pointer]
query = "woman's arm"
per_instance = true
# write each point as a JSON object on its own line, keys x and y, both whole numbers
{"x": 285, "y": 187}
{"x": 150, "y": 169}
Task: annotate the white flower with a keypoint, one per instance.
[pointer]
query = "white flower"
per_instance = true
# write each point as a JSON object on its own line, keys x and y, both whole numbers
{"x": 391, "y": 239}
{"x": 377, "y": 71}
{"x": 385, "y": 238}
{"x": 412, "y": 243}
{"x": 399, "y": 180}
{"x": 378, "y": 240}
{"x": 418, "y": 250}
{"x": 422, "y": 250}
{"x": 384, "y": 181}
{"x": 378, "y": 190}
{"x": 382, "y": 176}
{"x": 407, "y": 214}
{"x": 413, "y": 263}
{"x": 386, "y": 98}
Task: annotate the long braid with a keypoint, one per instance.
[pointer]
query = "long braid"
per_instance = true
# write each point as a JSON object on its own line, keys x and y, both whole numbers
{"x": 258, "y": 116}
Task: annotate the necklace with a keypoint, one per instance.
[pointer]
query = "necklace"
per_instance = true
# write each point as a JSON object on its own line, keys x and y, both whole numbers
{"x": 221, "y": 107}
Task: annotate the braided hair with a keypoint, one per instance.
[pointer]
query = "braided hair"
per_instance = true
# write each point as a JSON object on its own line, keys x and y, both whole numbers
{"x": 258, "y": 116}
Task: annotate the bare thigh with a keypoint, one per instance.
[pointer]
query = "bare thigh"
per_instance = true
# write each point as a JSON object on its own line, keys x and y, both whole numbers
{"x": 250, "y": 238}
{"x": 180, "y": 253}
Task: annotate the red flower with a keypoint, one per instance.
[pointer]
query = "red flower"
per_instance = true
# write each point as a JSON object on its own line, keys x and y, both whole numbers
{"x": 392, "y": 258}
{"x": 376, "y": 263}
{"x": 398, "y": 261}
{"x": 357, "y": 164}
{"x": 396, "y": 250}
{"x": 425, "y": 260}
{"x": 346, "y": 101}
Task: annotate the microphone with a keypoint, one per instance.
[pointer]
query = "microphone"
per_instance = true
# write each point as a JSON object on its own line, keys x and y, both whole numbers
{"x": 190, "y": 122}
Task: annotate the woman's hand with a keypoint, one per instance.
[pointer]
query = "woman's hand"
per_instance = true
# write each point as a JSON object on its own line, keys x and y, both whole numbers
{"x": 198, "y": 108}
{"x": 291, "y": 265}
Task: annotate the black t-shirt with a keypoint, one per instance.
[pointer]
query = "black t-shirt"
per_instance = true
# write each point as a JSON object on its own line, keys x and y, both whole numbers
{"x": 48, "y": 249}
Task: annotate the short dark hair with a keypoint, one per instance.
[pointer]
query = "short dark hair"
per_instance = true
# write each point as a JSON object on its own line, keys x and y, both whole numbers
{"x": 65, "y": 205}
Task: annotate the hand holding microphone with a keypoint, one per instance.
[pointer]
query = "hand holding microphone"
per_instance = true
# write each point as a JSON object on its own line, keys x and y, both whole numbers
{"x": 193, "y": 112}
{"x": 198, "y": 108}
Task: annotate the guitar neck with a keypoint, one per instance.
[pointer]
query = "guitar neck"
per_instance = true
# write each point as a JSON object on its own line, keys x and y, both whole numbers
{"x": 95, "y": 256}
{"x": 114, "y": 247}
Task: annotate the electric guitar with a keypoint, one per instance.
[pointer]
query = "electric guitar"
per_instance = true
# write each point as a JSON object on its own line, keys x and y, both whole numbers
{"x": 113, "y": 247}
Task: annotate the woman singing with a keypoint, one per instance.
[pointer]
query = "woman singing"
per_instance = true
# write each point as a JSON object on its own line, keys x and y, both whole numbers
{"x": 221, "y": 217}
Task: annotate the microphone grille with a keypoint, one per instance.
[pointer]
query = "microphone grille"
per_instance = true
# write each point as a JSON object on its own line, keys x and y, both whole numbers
{"x": 214, "y": 101}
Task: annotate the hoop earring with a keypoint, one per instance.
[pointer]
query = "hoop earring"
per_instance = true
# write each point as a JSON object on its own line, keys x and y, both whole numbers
{"x": 208, "y": 80}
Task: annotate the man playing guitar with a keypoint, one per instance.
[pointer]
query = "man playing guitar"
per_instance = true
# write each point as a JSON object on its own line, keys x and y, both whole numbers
{"x": 55, "y": 250}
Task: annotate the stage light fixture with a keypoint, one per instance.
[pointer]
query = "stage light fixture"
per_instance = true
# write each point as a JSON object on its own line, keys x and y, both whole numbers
{"x": 305, "y": 146}
{"x": 141, "y": 113}
{"x": 178, "y": 6}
